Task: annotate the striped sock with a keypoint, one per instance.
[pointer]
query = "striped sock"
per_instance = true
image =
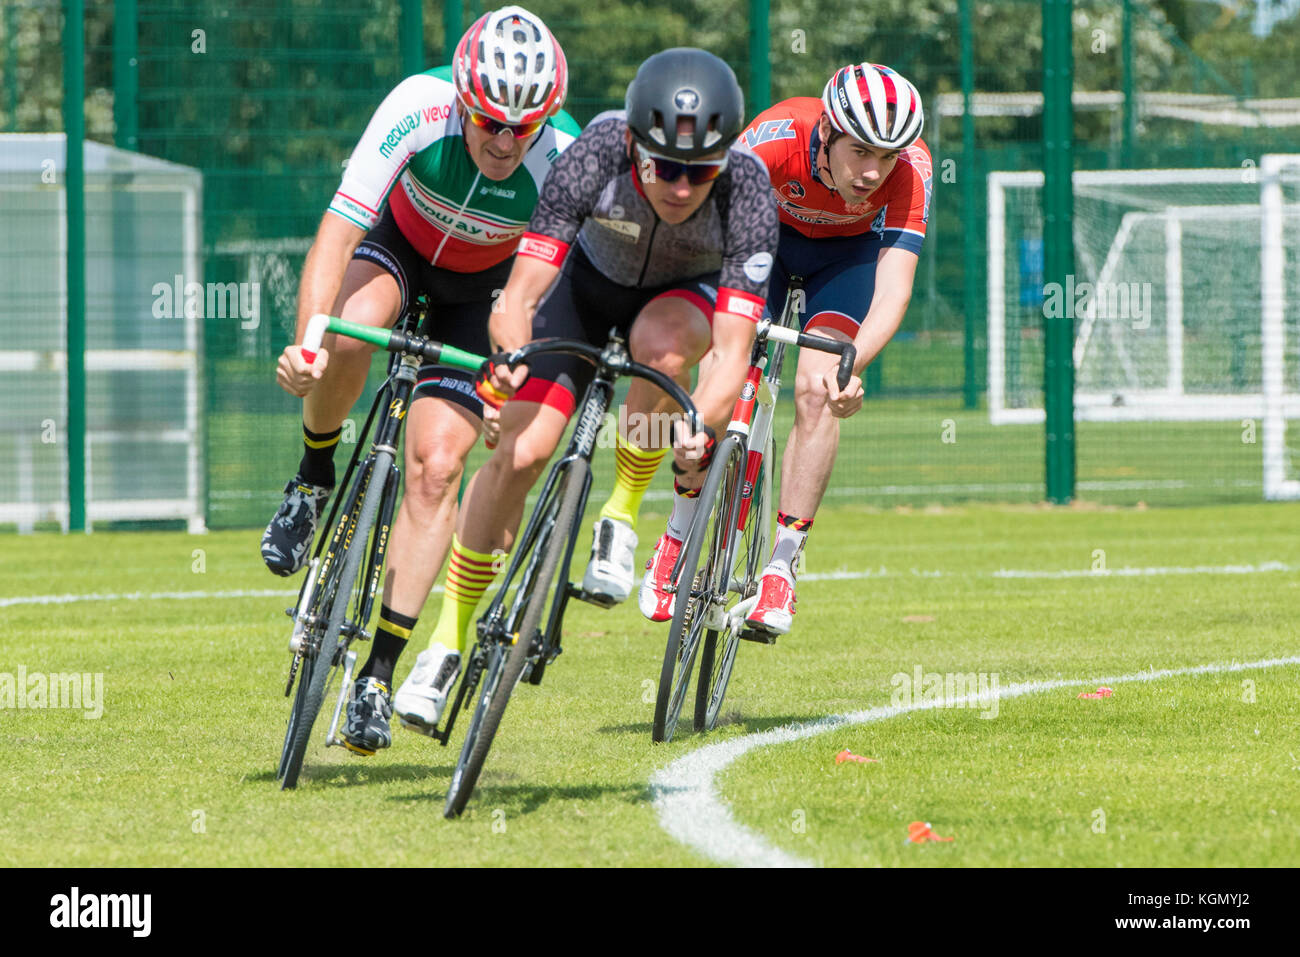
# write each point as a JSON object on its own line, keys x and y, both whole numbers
{"x": 317, "y": 465}
{"x": 468, "y": 575}
{"x": 390, "y": 638}
{"x": 791, "y": 533}
{"x": 635, "y": 468}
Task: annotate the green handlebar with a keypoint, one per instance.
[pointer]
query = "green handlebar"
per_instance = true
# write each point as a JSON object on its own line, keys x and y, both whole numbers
{"x": 393, "y": 341}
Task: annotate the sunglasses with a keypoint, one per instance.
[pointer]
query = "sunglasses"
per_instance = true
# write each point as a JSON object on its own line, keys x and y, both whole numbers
{"x": 670, "y": 170}
{"x": 520, "y": 131}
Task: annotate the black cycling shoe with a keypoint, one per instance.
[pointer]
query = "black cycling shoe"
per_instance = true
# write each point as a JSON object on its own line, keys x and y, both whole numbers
{"x": 288, "y": 538}
{"x": 367, "y": 728}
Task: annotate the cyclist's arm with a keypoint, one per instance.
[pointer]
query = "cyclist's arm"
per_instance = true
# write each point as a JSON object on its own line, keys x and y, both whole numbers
{"x": 511, "y": 323}
{"x": 895, "y": 270}
{"x": 715, "y": 396}
{"x": 322, "y": 274}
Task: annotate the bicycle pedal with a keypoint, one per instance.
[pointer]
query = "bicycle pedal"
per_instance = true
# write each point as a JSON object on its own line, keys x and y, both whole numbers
{"x": 591, "y": 597}
{"x": 354, "y": 750}
{"x": 753, "y": 634}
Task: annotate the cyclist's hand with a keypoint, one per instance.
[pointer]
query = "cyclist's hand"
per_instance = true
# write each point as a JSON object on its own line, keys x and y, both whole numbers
{"x": 491, "y": 426}
{"x": 846, "y": 403}
{"x": 295, "y": 375}
{"x": 497, "y": 382}
{"x": 692, "y": 452}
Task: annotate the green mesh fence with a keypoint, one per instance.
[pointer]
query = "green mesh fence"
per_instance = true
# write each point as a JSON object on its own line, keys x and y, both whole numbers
{"x": 265, "y": 101}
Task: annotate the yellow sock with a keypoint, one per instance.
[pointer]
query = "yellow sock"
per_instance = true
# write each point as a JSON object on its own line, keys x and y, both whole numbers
{"x": 468, "y": 575}
{"x": 635, "y": 468}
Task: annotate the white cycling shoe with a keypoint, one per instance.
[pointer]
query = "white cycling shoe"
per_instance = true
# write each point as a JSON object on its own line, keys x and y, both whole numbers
{"x": 612, "y": 569}
{"x": 420, "y": 701}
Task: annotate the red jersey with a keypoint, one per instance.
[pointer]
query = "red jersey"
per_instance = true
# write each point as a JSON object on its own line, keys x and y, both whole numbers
{"x": 787, "y": 140}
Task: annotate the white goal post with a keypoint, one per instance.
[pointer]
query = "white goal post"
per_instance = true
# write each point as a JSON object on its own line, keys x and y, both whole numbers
{"x": 1279, "y": 221}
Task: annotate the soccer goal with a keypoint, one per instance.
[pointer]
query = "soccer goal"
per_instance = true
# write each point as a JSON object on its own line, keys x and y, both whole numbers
{"x": 1280, "y": 294}
{"x": 1174, "y": 312}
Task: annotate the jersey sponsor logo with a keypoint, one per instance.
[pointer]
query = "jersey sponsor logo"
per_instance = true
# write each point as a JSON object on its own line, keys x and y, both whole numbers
{"x": 815, "y": 216}
{"x": 550, "y": 251}
{"x": 795, "y": 189}
{"x": 352, "y": 209}
{"x": 624, "y": 229}
{"x": 474, "y": 229}
{"x": 432, "y": 114}
{"x": 758, "y": 266}
{"x": 770, "y": 130}
{"x": 452, "y": 385}
{"x": 496, "y": 191}
{"x": 878, "y": 224}
{"x": 740, "y": 305}
{"x": 403, "y": 126}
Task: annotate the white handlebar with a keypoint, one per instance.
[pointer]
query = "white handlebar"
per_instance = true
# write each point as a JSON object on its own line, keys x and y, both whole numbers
{"x": 316, "y": 327}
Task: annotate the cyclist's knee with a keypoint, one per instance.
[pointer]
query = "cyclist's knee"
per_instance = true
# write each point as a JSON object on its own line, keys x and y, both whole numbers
{"x": 669, "y": 342}
{"x": 434, "y": 475}
{"x": 810, "y": 396}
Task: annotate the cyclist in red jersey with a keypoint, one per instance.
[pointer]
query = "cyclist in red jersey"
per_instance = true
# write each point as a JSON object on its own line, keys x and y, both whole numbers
{"x": 852, "y": 181}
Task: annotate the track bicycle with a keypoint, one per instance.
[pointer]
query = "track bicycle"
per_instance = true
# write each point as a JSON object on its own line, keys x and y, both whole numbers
{"x": 518, "y": 636}
{"x": 343, "y": 577}
{"x": 715, "y": 578}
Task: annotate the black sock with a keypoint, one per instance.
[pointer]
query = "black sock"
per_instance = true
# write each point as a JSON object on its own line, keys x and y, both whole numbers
{"x": 390, "y": 638}
{"x": 317, "y": 465}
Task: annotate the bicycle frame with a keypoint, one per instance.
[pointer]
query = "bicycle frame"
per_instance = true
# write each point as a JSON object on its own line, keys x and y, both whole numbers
{"x": 493, "y": 626}
{"x": 394, "y": 395}
{"x": 752, "y": 421}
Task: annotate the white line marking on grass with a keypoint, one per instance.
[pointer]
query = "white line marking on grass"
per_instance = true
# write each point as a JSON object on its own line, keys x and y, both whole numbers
{"x": 846, "y": 575}
{"x": 692, "y": 811}
{"x": 153, "y": 596}
{"x": 841, "y": 575}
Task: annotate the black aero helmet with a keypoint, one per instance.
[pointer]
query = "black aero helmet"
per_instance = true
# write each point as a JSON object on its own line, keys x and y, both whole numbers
{"x": 685, "y": 82}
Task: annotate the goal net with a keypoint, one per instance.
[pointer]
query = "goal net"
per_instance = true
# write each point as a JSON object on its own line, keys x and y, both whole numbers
{"x": 1168, "y": 299}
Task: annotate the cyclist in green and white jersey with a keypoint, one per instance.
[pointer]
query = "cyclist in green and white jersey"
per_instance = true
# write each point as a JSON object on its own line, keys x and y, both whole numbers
{"x": 434, "y": 199}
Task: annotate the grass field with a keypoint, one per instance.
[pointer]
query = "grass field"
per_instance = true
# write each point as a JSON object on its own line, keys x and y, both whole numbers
{"x": 1190, "y": 769}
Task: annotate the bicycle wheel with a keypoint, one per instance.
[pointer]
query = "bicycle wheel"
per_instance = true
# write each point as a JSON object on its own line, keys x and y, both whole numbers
{"x": 559, "y": 515}
{"x": 693, "y": 605}
{"x": 744, "y": 557}
{"x": 333, "y": 605}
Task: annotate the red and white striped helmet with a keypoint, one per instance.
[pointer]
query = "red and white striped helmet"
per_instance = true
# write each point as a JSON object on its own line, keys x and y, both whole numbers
{"x": 858, "y": 99}
{"x": 510, "y": 67}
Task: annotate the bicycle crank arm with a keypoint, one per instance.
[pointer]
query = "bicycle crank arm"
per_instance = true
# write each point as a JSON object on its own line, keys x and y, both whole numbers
{"x": 741, "y": 611}
{"x": 345, "y": 688}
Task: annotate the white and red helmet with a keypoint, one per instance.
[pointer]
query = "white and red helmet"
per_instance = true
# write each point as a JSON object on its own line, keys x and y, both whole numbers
{"x": 858, "y": 100}
{"x": 509, "y": 67}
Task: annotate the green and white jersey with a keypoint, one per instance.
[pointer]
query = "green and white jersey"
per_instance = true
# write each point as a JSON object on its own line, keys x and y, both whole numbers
{"x": 451, "y": 213}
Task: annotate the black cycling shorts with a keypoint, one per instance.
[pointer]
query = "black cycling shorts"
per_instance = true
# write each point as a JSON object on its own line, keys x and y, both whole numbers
{"x": 584, "y": 304}
{"x": 460, "y": 304}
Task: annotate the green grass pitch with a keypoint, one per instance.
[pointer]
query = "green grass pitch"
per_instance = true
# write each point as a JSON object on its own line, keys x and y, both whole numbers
{"x": 1188, "y": 770}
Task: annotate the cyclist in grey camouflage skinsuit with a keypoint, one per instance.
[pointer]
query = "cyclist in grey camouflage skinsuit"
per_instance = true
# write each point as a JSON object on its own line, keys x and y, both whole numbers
{"x": 652, "y": 222}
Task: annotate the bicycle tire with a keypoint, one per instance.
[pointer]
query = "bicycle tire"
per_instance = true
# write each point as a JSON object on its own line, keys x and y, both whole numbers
{"x": 718, "y": 656}
{"x": 688, "y": 612}
{"x": 316, "y": 671}
{"x": 505, "y": 669}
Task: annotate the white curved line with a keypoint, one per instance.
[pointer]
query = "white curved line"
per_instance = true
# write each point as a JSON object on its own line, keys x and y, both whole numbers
{"x": 690, "y": 809}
